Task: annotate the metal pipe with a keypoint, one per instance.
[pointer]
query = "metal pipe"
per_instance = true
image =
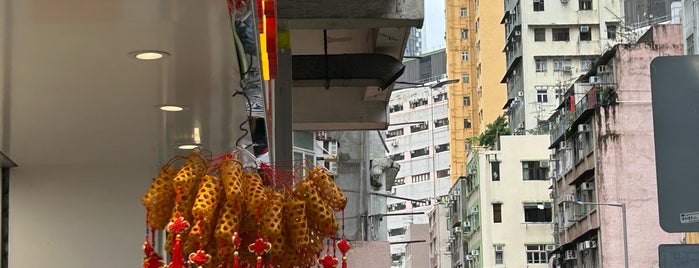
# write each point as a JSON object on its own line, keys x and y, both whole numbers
{"x": 407, "y": 242}
{"x": 623, "y": 222}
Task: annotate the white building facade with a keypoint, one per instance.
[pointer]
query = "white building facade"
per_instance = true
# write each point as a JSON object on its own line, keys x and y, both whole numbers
{"x": 549, "y": 43}
{"x": 501, "y": 213}
{"x": 418, "y": 140}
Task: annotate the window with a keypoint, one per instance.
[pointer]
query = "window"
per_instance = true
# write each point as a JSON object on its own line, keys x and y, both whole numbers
{"x": 585, "y": 33}
{"x": 495, "y": 167}
{"x": 464, "y": 12}
{"x": 419, "y": 152}
{"x": 399, "y": 181}
{"x": 537, "y": 254}
{"x": 440, "y": 97}
{"x": 586, "y": 64}
{"x": 396, "y": 108}
{"x": 498, "y": 257}
{"x": 690, "y": 44}
{"x": 396, "y": 231}
{"x": 561, "y": 65}
{"x": 442, "y": 173}
{"x": 464, "y": 55}
{"x": 537, "y": 212}
{"x": 418, "y": 102}
{"x": 540, "y": 65}
{"x": 542, "y": 96}
{"x": 611, "y": 31}
{"x": 467, "y": 101}
{"x": 467, "y": 123}
{"x": 441, "y": 148}
{"x": 419, "y": 127}
{"x": 464, "y": 33}
{"x": 396, "y": 206}
{"x": 585, "y": 4}
{"x": 534, "y": 170}
{"x": 394, "y": 133}
{"x": 465, "y": 78}
{"x": 538, "y": 5}
{"x": 497, "y": 212}
{"x": 398, "y": 156}
{"x": 560, "y": 34}
{"x": 441, "y": 122}
{"x": 421, "y": 177}
{"x": 539, "y": 35}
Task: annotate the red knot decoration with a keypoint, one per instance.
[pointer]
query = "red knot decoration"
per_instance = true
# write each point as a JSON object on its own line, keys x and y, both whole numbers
{"x": 328, "y": 261}
{"x": 199, "y": 258}
{"x": 152, "y": 259}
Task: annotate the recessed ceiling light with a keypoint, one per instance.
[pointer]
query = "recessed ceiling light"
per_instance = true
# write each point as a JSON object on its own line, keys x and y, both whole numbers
{"x": 149, "y": 54}
{"x": 171, "y": 107}
{"x": 189, "y": 146}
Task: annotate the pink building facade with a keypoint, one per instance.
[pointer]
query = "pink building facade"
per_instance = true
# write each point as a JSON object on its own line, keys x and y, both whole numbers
{"x": 603, "y": 150}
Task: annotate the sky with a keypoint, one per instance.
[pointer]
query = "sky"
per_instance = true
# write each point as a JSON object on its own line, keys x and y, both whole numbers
{"x": 433, "y": 26}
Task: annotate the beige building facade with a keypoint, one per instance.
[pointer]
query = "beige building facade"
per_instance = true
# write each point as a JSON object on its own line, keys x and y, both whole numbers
{"x": 474, "y": 55}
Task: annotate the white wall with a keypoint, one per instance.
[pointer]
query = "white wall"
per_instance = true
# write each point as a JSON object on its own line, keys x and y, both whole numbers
{"x": 512, "y": 192}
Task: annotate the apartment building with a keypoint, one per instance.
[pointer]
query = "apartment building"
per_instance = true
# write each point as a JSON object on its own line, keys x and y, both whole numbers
{"x": 418, "y": 140}
{"x": 474, "y": 55}
{"x": 500, "y": 213}
{"x": 604, "y": 159}
{"x": 549, "y": 43}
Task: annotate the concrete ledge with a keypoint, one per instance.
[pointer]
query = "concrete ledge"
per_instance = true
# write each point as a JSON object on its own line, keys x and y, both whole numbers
{"x": 319, "y": 14}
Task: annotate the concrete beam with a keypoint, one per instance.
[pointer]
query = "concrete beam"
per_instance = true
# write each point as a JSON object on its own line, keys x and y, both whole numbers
{"x": 346, "y": 70}
{"x": 316, "y": 108}
{"x": 342, "y": 14}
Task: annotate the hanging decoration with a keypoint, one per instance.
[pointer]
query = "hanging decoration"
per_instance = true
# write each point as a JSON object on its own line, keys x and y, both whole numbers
{"x": 282, "y": 219}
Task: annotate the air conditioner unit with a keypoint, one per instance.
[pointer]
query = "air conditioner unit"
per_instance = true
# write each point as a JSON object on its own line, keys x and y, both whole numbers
{"x": 570, "y": 197}
{"x": 520, "y": 93}
{"x": 518, "y": 33}
{"x": 603, "y": 69}
{"x": 467, "y": 224}
{"x": 587, "y": 186}
{"x": 567, "y": 68}
{"x": 474, "y": 252}
{"x": 469, "y": 258}
{"x": 584, "y": 128}
{"x": 584, "y": 28}
{"x": 570, "y": 255}
{"x": 537, "y": 1}
{"x": 471, "y": 171}
{"x": 553, "y": 157}
{"x": 550, "y": 247}
{"x": 590, "y": 244}
{"x": 520, "y": 126}
{"x": 394, "y": 143}
{"x": 564, "y": 1}
{"x": 499, "y": 248}
{"x": 544, "y": 163}
{"x": 474, "y": 210}
{"x": 563, "y": 146}
{"x": 552, "y": 195}
{"x": 595, "y": 80}
{"x": 457, "y": 229}
{"x": 581, "y": 246}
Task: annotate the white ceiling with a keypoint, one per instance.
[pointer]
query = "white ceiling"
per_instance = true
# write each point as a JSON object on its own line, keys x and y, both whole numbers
{"x": 75, "y": 96}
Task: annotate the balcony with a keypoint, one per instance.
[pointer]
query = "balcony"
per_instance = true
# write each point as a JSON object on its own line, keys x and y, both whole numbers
{"x": 568, "y": 116}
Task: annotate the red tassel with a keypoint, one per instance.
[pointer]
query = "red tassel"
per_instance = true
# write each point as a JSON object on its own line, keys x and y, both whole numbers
{"x": 344, "y": 262}
{"x": 235, "y": 260}
{"x": 177, "y": 259}
{"x": 259, "y": 262}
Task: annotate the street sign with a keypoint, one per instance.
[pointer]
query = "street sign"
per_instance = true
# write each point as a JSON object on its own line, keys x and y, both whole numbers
{"x": 675, "y": 92}
{"x": 679, "y": 256}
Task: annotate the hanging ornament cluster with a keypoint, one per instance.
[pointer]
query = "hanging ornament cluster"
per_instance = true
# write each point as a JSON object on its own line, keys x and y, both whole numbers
{"x": 218, "y": 214}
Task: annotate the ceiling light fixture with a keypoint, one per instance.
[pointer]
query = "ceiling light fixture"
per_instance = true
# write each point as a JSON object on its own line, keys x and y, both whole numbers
{"x": 171, "y": 107}
{"x": 189, "y": 146}
{"x": 149, "y": 54}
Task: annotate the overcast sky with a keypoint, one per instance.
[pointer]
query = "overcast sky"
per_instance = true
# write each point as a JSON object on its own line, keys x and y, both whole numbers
{"x": 433, "y": 28}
